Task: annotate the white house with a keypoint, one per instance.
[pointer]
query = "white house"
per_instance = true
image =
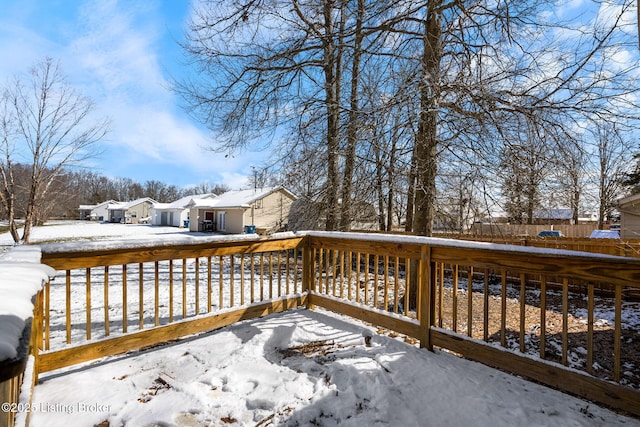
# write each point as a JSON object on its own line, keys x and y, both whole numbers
{"x": 95, "y": 212}
{"x": 629, "y": 208}
{"x": 176, "y": 213}
{"x": 267, "y": 209}
{"x": 132, "y": 212}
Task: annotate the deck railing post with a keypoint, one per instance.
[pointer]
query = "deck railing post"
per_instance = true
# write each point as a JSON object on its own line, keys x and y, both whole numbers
{"x": 307, "y": 268}
{"x": 426, "y": 297}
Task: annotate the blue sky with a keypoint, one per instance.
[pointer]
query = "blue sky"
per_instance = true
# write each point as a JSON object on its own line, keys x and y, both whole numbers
{"x": 122, "y": 54}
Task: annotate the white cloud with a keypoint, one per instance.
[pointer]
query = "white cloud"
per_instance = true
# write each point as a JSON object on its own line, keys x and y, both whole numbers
{"x": 112, "y": 51}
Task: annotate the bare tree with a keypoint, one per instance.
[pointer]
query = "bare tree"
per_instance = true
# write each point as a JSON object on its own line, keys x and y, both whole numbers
{"x": 50, "y": 126}
{"x": 611, "y": 153}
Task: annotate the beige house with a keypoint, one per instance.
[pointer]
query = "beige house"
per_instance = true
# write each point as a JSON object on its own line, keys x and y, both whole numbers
{"x": 629, "y": 208}
{"x": 133, "y": 212}
{"x": 267, "y": 209}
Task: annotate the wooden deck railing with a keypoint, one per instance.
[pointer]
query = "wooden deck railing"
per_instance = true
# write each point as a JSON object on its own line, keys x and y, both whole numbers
{"x": 106, "y": 302}
{"x": 529, "y": 311}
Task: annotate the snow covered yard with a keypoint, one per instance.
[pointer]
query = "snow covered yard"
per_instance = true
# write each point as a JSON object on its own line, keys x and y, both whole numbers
{"x": 87, "y": 231}
{"x": 301, "y": 368}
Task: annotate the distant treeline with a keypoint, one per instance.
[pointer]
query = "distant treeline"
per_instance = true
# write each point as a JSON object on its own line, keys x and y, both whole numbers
{"x": 83, "y": 187}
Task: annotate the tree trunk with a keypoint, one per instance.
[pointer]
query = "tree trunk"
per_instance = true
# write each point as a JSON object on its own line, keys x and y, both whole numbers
{"x": 379, "y": 188}
{"x": 411, "y": 194}
{"x": 331, "y": 74}
{"x": 352, "y": 131}
{"x": 426, "y": 138}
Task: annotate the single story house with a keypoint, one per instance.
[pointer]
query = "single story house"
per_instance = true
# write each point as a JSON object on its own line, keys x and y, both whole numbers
{"x": 133, "y": 212}
{"x": 553, "y": 216}
{"x": 629, "y": 209}
{"x": 95, "y": 212}
{"x": 175, "y": 214}
{"x": 265, "y": 208}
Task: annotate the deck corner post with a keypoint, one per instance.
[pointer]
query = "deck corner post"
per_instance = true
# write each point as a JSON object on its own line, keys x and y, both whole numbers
{"x": 426, "y": 297}
{"x": 37, "y": 339}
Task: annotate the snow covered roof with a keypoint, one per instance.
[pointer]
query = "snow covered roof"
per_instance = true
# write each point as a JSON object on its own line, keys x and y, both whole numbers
{"x": 122, "y": 206}
{"x": 183, "y": 202}
{"x": 238, "y": 198}
{"x": 91, "y": 207}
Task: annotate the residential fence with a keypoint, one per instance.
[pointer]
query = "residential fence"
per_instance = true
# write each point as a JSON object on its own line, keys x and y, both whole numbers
{"x": 627, "y": 247}
{"x": 530, "y": 311}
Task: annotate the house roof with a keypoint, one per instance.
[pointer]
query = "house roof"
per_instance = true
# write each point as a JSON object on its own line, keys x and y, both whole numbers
{"x": 123, "y": 206}
{"x": 91, "y": 207}
{"x": 629, "y": 200}
{"x": 183, "y": 202}
{"x": 239, "y": 198}
{"x": 553, "y": 213}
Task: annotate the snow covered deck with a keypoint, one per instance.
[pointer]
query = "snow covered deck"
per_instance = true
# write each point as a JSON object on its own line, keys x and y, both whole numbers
{"x": 512, "y": 307}
{"x": 302, "y": 368}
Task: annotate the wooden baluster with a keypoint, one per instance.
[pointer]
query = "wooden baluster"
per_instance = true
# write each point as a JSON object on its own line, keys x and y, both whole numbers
{"x": 407, "y": 285}
{"x": 565, "y": 321}
{"x": 503, "y": 310}
{"x": 270, "y": 275}
{"x": 617, "y": 335}
{"x": 241, "y": 279}
{"x": 441, "y": 296}
{"x": 220, "y": 283}
{"x": 396, "y": 285}
{"x": 454, "y": 298}
{"x": 141, "y": 295}
{"x": 125, "y": 323}
{"x": 209, "y": 283}
{"x": 523, "y": 304}
{"x": 486, "y": 305}
{"x": 197, "y": 284}
{"x": 470, "y": 301}
{"x": 366, "y": 279}
{"x": 253, "y": 276}
{"x": 88, "y": 306}
{"x": 385, "y": 306}
{"x": 170, "y": 291}
{"x": 590, "y": 313}
{"x": 232, "y": 284}
{"x": 375, "y": 280}
{"x": 262, "y": 276}
{"x": 184, "y": 288}
{"x": 156, "y": 295}
{"x": 107, "y": 328}
{"x": 543, "y": 317}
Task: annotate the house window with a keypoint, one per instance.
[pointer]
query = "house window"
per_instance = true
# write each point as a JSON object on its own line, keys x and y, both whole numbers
{"x": 222, "y": 221}
{"x": 257, "y": 204}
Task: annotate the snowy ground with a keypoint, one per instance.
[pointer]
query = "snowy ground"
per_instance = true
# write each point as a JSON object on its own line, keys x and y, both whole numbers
{"x": 61, "y": 231}
{"x": 298, "y": 368}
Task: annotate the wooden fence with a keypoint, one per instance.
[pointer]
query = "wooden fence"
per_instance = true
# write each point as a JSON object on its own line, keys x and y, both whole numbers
{"x": 629, "y": 248}
{"x": 529, "y": 311}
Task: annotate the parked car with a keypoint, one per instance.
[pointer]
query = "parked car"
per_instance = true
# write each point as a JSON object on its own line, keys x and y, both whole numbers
{"x": 605, "y": 234}
{"x": 550, "y": 233}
